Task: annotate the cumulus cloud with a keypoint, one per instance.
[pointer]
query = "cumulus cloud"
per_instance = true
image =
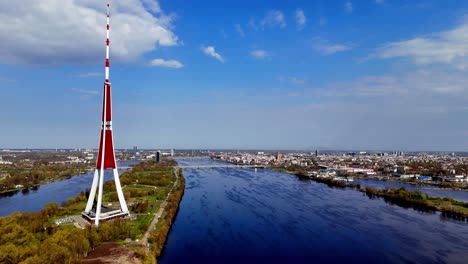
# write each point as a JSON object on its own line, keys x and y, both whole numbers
{"x": 348, "y": 7}
{"x": 448, "y": 47}
{"x": 152, "y": 5}
{"x": 300, "y": 19}
{"x": 326, "y": 48}
{"x": 260, "y": 54}
{"x": 210, "y": 51}
{"x": 73, "y": 31}
{"x": 239, "y": 30}
{"x": 274, "y": 18}
{"x": 166, "y": 63}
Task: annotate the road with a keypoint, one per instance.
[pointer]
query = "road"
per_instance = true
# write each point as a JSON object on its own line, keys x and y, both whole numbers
{"x": 157, "y": 215}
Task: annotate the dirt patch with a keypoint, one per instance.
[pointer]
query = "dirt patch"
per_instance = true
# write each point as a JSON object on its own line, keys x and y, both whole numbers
{"x": 111, "y": 253}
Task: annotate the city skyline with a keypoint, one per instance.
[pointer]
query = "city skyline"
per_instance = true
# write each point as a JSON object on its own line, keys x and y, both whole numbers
{"x": 371, "y": 75}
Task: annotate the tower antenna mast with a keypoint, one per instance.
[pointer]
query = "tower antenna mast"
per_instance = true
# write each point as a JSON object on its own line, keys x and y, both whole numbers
{"x": 106, "y": 154}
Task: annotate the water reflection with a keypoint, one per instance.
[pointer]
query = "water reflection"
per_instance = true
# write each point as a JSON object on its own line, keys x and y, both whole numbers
{"x": 243, "y": 216}
{"x": 35, "y": 198}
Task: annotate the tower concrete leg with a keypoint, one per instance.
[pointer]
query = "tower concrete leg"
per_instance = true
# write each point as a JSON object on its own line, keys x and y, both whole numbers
{"x": 92, "y": 192}
{"x": 118, "y": 187}
{"x": 99, "y": 202}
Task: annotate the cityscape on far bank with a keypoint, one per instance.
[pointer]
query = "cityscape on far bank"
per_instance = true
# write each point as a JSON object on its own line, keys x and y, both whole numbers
{"x": 446, "y": 169}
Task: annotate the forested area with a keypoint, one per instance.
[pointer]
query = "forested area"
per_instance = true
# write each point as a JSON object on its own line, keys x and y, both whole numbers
{"x": 34, "y": 238}
{"x": 158, "y": 236}
{"x": 37, "y": 174}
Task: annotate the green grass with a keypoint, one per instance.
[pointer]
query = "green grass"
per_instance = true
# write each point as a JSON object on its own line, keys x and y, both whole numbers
{"x": 142, "y": 222}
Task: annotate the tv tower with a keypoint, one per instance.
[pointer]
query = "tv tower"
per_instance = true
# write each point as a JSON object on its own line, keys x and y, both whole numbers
{"x": 106, "y": 155}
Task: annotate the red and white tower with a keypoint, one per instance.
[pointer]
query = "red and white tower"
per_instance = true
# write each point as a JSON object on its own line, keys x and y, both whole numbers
{"x": 106, "y": 155}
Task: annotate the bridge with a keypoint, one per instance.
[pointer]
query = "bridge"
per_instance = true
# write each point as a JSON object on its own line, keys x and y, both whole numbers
{"x": 220, "y": 166}
{"x": 213, "y": 166}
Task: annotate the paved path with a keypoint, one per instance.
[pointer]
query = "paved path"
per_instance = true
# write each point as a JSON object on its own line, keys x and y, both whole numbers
{"x": 144, "y": 185}
{"x": 157, "y": 215}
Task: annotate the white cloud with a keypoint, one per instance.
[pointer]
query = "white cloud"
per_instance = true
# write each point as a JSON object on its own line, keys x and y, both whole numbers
{"x": 166, "y": 63}
{"x": 348, "y": 7}
{"x": 292, "y": 80}
{"x": 448, "y": 47}
{"x": 152, "y": 5}
{"x": 274, "y": 18}
{"x": 380, "y": 1}
{"x": 260, "y": 54}
{"x": 210, "y": 51}
{"x": 300, "y": 19}
{"x": 326, "y": 48}
{"x": 419, "y": 84}
{"x": 239, "y": 30}
{"x": 85, "y": 92}
{"x": 297, "y": 81}
{"x": 252, "y": 24}
{"x": 90, "y": 74}
{"x": 73, "y": 31}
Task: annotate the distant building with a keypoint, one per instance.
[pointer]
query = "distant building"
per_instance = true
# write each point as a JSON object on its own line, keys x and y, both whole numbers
{"x": 403, "y": 176}
{"x": 278, "y": 157}
{"x": 316, "y": 153}
{"x": 172, "y": 152}
{"x": 424, "y": 178}
{"x": 323, "y": 167}
{"x": 135, "y": 149}
{"x": 5, "y": 162}
{"x": 158, "y": 156}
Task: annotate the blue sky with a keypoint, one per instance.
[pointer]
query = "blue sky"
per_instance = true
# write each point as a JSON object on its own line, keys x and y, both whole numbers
{"x": 369, "y": 74}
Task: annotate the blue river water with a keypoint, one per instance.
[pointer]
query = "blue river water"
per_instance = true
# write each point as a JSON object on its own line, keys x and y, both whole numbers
{"x": 247, "y": 216}
{"x": 55, "y": 192}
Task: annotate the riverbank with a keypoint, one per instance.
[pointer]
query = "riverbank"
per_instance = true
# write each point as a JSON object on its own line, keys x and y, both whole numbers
{"x": 441, "y": 185}
{"x": 36, "y": 238}
{"x": 236, "y": 215}
{"x": 448, "y": 207}
{"x": 24, "y": 179}
{"x": 158, "y": 235}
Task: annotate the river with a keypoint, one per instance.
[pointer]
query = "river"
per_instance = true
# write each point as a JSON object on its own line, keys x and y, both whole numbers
{"x": 55, "y": 192}
{"x": 247, "y": 216}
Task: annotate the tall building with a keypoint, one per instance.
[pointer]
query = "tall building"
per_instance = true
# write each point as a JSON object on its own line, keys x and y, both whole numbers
{"x": 94, "y": 210}
{"x": 172, "y": 152}
{"x": 158, "y": 156}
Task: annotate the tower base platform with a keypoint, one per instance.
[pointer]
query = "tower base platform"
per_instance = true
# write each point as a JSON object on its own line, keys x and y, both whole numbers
{"x": 106, "y": 214}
